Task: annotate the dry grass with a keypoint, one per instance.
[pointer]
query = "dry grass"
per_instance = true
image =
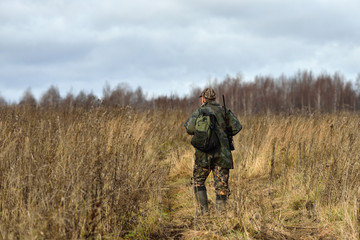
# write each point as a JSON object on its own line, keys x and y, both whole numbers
{"x": 295, "y": 177}
{"x": 115, "y": 174}
{"x": 70, "y": 174}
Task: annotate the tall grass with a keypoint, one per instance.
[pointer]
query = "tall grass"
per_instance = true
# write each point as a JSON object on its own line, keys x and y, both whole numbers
{"x": 117, "y": 173}
{"x": 295, "y": 177}
{"x": 309, "y": 169}
{"x": 68, "y": 174}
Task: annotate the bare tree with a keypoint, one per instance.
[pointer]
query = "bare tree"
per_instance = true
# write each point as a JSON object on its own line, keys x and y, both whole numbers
{"x": 51, "y": 98}
{"x": 139, "y": 97}
{"x": 85, "y": 100}
{"x": 301, "y": 93}
{"x": 28, "y": 99}
{"x": 121, "y": 96}
{"x": 68, "y": 101}
{"x": 2, "y": 102}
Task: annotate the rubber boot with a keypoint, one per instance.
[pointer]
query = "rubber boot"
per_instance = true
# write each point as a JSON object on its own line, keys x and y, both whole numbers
{"x": 221, "y": 203}
{"x": 202, "y": 200}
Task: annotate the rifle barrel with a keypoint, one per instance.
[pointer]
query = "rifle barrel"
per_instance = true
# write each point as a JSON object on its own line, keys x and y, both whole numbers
{"x": 228, "y": 128}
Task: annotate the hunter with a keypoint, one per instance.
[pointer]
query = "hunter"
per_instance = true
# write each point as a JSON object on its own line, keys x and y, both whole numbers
{"x": 219, "y": 160}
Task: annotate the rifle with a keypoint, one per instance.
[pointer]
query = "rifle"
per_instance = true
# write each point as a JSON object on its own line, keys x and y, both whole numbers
{"x": 228, "y": 127}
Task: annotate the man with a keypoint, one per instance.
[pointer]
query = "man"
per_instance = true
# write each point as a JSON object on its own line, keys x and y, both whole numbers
{"x": 219, "y": 160}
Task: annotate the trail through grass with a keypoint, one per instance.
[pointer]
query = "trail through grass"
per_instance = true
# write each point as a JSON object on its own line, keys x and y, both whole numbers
{"x": 295, "y": 178}
{"x": 121, "y": 174}
{"x": 181, "y": 222}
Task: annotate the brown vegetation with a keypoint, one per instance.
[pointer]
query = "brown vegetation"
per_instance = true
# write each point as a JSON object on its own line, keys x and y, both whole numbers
{"x": 74, "y": 173}
{"x": 70, "y": 174}
{"x": 302, "y": 93}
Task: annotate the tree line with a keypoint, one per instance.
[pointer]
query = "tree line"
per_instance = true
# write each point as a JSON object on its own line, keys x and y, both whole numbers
{"x": 302, "y": 93}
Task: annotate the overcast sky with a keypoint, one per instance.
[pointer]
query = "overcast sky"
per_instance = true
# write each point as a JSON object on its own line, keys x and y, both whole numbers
{"x": 169, "y": 46}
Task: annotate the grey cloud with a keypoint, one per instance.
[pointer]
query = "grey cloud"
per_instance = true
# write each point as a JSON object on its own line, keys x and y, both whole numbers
{"x": 309, "y": 20}
{"x": 42, "y": 53}
{"x": 167, "y": 45}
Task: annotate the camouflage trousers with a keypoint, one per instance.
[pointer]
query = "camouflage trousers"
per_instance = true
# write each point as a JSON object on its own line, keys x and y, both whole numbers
{"x": 221, "y": 178}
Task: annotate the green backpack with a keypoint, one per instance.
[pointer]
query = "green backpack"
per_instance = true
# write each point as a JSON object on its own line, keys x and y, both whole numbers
{"x": 205, "y": 138}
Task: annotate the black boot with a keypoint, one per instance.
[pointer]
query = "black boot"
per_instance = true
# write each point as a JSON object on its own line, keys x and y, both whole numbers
{"x": 221, "y": 203}
{"x": 202, "y": 200}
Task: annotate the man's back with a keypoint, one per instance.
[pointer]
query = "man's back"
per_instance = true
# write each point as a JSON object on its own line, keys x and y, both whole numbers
{"x": 219, "y": 160}
{"x": 222, "y": 156}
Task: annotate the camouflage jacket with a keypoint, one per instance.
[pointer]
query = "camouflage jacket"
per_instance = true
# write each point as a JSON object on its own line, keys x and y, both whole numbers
{"x": 222, "y": 156}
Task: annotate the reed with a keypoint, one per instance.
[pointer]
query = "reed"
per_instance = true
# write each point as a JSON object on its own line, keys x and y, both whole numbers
{"x": 69, "y": 174}
{"x": 117, "y": 173}
{"x": 311, "y": 168}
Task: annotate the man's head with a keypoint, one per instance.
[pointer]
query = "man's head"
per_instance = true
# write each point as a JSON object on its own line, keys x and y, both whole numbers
{"x": 208, "y": 95}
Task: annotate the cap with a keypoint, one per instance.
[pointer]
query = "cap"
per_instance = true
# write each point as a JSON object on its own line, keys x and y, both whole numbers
{"x": 208, "y": 93}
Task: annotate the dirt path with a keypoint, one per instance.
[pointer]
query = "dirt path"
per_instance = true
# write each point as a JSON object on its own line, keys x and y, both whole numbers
{"x": 180, "y": 218}
{"x": 182, "y": 224}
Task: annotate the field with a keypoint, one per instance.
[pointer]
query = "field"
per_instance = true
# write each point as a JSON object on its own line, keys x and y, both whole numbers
{"x": 122, "y": 174}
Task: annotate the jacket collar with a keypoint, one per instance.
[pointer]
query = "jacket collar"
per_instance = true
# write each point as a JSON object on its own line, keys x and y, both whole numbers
{"x": 211, "y": 103}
